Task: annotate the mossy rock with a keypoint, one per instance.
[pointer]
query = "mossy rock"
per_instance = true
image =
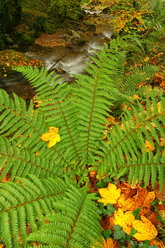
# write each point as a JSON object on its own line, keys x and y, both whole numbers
{"x": 64, "y": 9}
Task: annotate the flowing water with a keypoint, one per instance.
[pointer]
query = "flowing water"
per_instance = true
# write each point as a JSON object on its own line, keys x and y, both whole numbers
{"x": 71, "y": 60}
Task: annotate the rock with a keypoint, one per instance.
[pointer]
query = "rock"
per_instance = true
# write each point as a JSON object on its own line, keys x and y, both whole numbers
{"x": 75, "y": 34}
{"x": 78, "y": 41}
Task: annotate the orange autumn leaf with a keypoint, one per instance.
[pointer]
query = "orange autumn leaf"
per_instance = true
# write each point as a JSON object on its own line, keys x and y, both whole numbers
{"x": 53, "y": 137}
{"x": 141, "y": 199}
{"x": 110, "y": 194}
{"x": 149, "y": 146}
{"x": 124, "y": 220}
{"x": 159, "y": 244}
{"x": 145, "y": 229}
{"x": 111, "y": 120}
{"x": 127, "y": 204}
{"x": 135, "y": 97}
{"x": 146, "y": 59}
{"x": 106, "y": 244}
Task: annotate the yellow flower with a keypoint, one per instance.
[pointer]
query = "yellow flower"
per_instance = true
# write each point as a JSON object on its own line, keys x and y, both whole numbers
{"x": 146, "y": 230}
{"x": 110, "y": 194}
{"x": 53, "y": 137}
{"x": 124, "y": 220}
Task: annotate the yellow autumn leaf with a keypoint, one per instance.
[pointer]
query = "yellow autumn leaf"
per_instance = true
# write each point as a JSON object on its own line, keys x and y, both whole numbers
{"x": 124, "y": 220}
{"x": 145, "y": 229}
{"x": 110, "y": 194}
{"x": 53, "y": 137}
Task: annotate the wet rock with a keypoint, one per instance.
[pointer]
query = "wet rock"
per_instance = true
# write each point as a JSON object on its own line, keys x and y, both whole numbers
{"x": 78, "y": 41}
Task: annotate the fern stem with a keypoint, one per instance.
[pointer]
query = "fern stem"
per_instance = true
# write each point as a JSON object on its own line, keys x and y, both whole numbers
{"x": 23, "y": 204}
{"x": 94, "y": 95}
{"x": 68, "y": 130}
{"x": 5, "y": 154}
{"x": 67, "y": 244}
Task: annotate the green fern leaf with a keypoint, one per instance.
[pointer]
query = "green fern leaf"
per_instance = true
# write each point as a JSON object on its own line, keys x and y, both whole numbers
{"x": 74, "y": 224}
{"x": 126, "y": 141}
{"x": 25, "y": 202}
{"x": 59, "y": 109}
{"x": 21, "y": 162}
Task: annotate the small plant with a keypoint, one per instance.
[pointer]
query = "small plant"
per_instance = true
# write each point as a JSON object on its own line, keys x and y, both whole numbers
{"x": 48, "y": 151}
{"x": 128, "y": 16}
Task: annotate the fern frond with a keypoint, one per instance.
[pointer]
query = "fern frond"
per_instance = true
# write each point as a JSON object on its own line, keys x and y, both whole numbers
{"x": 26, "y": 202}
{"x": 74, "y": 224}
{"x": 21, "y": 162}
{"x": 95, "y": 96}
{"x": 125, "y": 142}
{"x": 25, "y": 126}
{"x": 59, "y": 110}
{"x": 138, "y": 75}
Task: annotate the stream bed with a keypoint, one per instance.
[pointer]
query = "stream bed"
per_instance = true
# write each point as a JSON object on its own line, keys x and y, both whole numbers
{"x": 71, "y": 60}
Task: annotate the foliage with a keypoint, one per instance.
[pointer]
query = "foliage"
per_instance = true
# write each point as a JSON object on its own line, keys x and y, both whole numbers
{"x": 9, "y": 20}
{"x": 79, "y": 114}
{"x": 63, "y": 9}
{"x": 9, "y": 59}
{"x": 129, "y": 15}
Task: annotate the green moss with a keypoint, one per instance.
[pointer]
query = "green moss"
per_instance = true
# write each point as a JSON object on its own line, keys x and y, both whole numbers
{"x": 64, "y": 9}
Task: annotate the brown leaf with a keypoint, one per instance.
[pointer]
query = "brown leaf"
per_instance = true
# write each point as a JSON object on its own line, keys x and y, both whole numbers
{"x": 159, "y": 195}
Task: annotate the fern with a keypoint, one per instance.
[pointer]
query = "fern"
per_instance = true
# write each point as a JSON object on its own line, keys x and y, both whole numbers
{"x": 23, "y": 162}
{"x": 80, "y": 113}
{"x": 25, "y": 126}
{"x": 58, "y": 110}
{"x": 95, "y": 96}
{"x": 25, "y": 202}
{"x": 74, "y": 224}
{"x": 29, "y": 200}
{"x": 126, "y": 143}
{"x": 137, "y": 76}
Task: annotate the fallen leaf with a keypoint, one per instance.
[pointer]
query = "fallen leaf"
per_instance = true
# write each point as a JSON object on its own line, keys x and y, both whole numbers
{"x": 53, "y": 137}
{"x": 159, "y": 243}
{"x": 162, "y": 214}
{"x": 124, "y": 220}
{"x": 107, "y": 243}
{"x": 159, "y": 195}
{"x": 145, "y": 229}
{"x": 146, "y": 59}
{"x": 149, "y": 146}
{"x": 111, "y": 120}
{"x": 109, "y": 195}
{"x": 135, "y": 97}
